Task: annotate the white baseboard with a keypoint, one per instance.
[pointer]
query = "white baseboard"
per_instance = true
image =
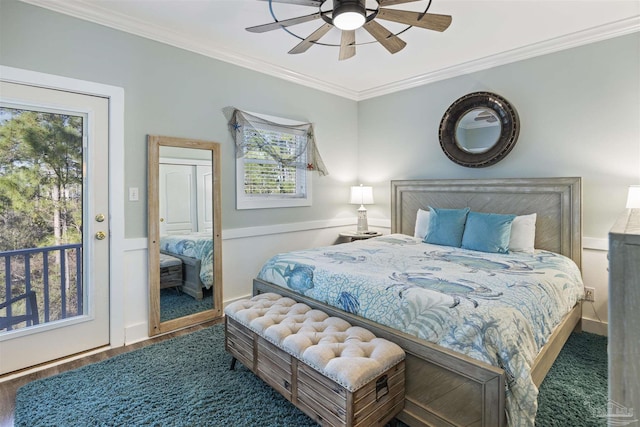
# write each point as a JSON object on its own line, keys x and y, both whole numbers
{"x": 595, "y": 327}
{"x": 140, "y": 331}
{"x": 136, "y": 333}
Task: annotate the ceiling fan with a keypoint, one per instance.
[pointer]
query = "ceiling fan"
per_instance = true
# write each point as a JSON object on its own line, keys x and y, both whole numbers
{"x": 349, "y": 15}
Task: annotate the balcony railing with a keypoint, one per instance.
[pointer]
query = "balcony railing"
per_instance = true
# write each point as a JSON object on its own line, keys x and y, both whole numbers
{"x": 55, "y": 275}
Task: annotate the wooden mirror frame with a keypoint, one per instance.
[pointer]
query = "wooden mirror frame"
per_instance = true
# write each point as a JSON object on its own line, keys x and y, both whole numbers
{"x": 510, "y": 129}
{"x": 155, "y": 325}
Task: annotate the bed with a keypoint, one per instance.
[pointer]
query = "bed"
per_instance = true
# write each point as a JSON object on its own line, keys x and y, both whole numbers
{"x": 196, "y": 253}
{"x": 444, "y": 385}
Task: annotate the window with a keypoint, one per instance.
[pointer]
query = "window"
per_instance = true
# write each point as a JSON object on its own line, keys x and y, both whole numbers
{"x": 272, "y": 163}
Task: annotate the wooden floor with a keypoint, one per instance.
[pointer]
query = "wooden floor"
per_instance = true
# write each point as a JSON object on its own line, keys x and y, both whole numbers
{"x": 8, "y": 387}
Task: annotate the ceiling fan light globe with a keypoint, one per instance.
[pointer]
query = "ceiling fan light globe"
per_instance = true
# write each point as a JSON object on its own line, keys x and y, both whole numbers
{"x": 349, "y": 14}
{"x": 349, "y": 21}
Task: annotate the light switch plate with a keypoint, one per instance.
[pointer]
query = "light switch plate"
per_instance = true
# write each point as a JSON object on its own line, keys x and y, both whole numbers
{"x": 133, "y": 194}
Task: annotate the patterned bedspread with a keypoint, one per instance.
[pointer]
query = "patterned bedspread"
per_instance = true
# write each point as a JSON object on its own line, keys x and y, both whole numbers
{"x": 497, "y": 308}
{"x": 199, "y": 246}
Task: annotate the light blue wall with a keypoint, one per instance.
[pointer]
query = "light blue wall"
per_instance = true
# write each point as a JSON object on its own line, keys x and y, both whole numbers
{"x": 580, "y": 116}
{"x": 579, "y": 110}
{"x": 173, "y": 92}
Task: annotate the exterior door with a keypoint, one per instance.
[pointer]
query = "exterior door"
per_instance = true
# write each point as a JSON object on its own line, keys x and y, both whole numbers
{"x": 54, "y": 238}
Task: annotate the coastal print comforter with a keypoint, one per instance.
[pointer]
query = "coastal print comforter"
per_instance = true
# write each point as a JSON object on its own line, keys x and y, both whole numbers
{"x": 199, "y": 246}
{"x": 497, "y": 308}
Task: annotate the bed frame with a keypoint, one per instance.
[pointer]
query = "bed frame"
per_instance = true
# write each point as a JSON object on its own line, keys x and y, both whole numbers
{"x": 445, "y": 388}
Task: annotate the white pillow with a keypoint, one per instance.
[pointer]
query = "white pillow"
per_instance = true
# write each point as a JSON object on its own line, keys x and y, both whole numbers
{"x": 523, "y": 234}
{"x": 422, "y": 224}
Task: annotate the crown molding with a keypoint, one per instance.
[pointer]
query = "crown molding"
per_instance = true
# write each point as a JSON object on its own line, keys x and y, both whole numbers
{"x": 83, "y": 9}
{"x": 87, "y": 11}
{"x": 580, "y": 38}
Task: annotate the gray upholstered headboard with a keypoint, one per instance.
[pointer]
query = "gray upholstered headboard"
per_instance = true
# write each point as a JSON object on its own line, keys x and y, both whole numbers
{"x": 557, "y": 202}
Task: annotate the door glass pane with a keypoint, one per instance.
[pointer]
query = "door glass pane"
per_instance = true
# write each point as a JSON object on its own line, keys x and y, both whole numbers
{"x": 41, "y": 216}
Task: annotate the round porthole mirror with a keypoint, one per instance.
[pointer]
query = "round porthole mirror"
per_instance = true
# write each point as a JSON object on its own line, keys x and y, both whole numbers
{"x": 479, "y": 129}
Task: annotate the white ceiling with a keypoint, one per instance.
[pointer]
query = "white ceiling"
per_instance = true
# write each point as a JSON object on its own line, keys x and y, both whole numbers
{"x": 483, "y": 34}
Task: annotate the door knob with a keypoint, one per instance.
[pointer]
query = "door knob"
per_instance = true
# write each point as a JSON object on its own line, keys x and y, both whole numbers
{"x": 99, "y": 217}
{"x": 100, "y": 235}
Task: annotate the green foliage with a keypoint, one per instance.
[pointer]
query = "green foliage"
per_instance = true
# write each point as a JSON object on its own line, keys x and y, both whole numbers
{"x": 271, "y": 160}
{"x": 41, "y": 176}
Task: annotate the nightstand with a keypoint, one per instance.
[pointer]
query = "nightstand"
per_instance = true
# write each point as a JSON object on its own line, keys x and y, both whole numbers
{"x": 352, "y": 235}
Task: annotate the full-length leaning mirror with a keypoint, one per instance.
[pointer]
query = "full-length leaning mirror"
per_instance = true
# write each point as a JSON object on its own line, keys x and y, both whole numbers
{"x": 185, "y": 264}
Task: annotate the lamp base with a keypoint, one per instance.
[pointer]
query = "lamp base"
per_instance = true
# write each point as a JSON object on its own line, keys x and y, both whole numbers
{"x": 363, "y": 227}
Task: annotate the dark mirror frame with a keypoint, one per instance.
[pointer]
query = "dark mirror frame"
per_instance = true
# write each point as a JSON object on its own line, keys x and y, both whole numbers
{"x": 509, "y": 121}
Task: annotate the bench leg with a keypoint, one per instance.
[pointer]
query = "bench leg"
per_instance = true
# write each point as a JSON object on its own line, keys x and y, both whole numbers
{"x": 233, "y": 364}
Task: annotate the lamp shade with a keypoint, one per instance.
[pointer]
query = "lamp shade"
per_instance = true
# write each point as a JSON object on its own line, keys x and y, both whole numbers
{"x": 361, "y": 195}
{"x": 633, "y": 198}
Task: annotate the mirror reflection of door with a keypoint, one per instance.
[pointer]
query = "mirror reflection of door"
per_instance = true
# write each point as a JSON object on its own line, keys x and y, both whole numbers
{"x": 184, "y": 233}
{"x": 186, "y": 242}
{"x": 478, "y": 130}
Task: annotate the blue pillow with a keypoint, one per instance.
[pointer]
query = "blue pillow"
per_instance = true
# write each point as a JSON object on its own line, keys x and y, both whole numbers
{"x": 446, "y": 226}
{"x": 487, "y": 232}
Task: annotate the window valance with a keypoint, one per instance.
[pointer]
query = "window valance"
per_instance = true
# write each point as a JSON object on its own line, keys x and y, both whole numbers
{"x": 249, "y": 131}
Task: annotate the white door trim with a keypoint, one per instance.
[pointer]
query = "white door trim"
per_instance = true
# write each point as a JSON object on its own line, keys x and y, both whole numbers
{"x": 116, "y": 178}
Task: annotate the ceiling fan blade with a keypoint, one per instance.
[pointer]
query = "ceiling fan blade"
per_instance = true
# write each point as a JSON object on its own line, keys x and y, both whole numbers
{"x": 305, "y": 44}
{"x": 385, "y": 37}
{"x": 284, "y": 23}
{"x": 316, "y": 3}
{"x": 347, "y": 45}
{"x": 383, "y": 3}
{"x": 430, "y": 21}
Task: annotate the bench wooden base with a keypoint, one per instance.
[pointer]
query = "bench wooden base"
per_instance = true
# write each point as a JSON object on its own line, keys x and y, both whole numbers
{"x": 189, "y": 275}
{"x": 170, "y": 271}
{"x": 322, "y": 399}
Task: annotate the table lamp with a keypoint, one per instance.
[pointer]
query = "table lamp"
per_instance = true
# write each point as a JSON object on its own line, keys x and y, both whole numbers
{"x": 362, "y": 195}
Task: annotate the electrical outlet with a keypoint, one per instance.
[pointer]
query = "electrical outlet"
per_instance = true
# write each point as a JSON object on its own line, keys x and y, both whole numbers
{"x": 589, "y": 294}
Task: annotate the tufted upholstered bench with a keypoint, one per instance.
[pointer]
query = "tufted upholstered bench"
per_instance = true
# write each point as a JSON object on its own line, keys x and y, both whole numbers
{"x": 336, "y": 373}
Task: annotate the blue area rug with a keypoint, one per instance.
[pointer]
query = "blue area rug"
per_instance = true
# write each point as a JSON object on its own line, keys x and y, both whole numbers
{"x": 186, "y": 381}
{"x": 574, "y": 392}
{"x": 175, "y": 303}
